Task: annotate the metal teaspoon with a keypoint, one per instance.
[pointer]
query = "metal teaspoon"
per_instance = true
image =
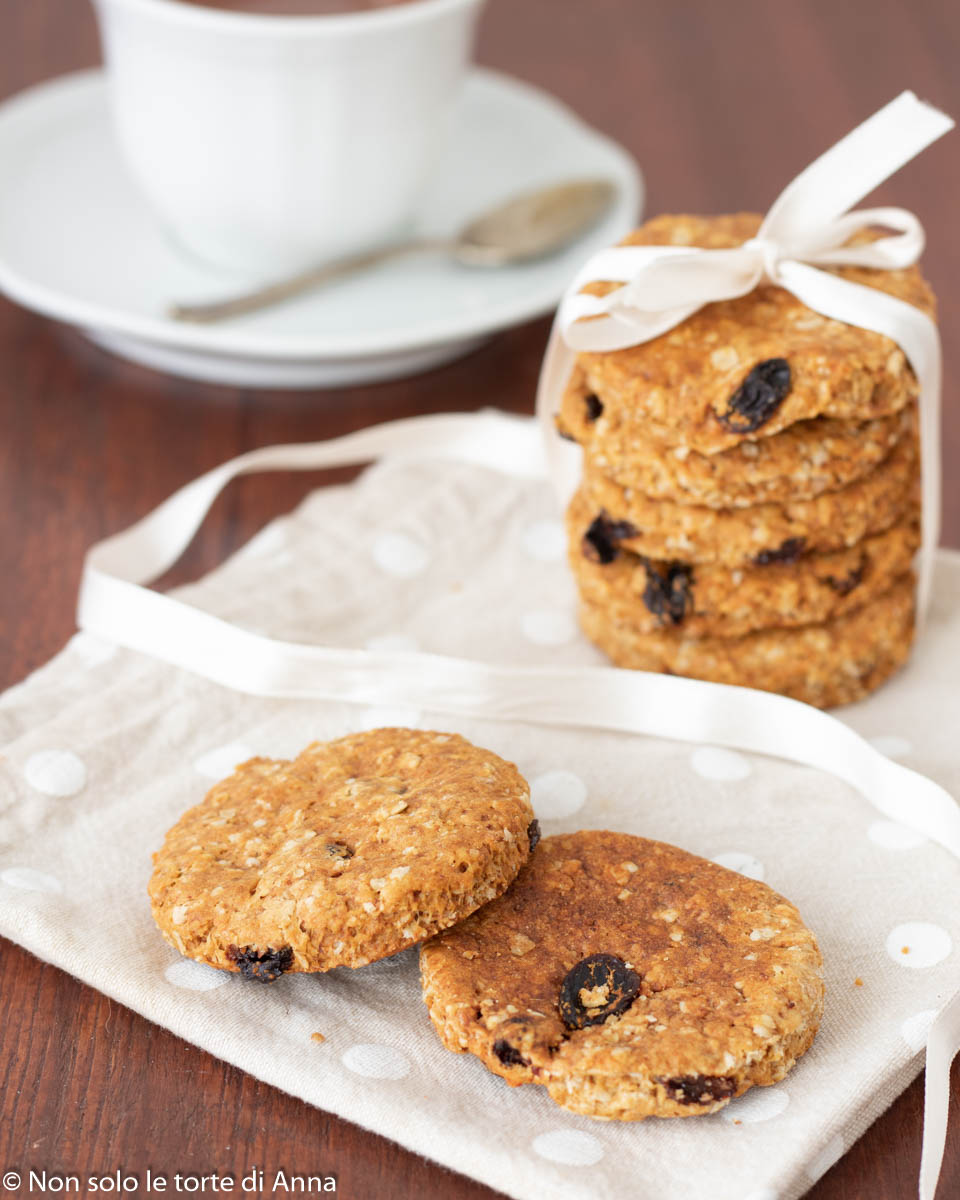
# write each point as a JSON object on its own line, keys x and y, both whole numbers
{"x": 530, "y": 226}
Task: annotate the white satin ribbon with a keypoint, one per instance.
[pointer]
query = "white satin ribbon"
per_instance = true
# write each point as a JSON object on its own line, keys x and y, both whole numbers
{"x": 116, "y": 606}
{"x": 804, "y": 230}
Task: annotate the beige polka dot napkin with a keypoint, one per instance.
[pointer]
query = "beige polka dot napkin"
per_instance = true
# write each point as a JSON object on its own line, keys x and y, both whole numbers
{"x": 102, "y": 749}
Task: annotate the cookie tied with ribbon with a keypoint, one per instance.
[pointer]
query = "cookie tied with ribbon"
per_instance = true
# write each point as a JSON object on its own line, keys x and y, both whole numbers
{"x": 827, "y": 261}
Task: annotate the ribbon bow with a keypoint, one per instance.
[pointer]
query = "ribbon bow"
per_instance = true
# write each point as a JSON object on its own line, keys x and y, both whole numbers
{"x": 806, "y": 229}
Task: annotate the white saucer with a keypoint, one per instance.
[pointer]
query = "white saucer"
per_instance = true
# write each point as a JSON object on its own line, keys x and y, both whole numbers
{"x": 78, "y": 243}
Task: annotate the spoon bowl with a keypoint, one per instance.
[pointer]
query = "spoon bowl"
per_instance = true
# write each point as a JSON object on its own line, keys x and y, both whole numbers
{"x": 527, "y": 227}
{"x": 534, "y": 224}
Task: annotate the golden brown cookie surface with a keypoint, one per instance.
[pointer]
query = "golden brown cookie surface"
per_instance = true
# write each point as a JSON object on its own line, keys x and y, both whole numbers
{"x": 786, "y": 589}
{"x": 737, "y": 537}
{"x": 833, "y": 663}
{"x": 748, "y": 368}
{"x": 348, "y": 853}
{"x": 823, "y": 454}
{"x": 630, "y": 978}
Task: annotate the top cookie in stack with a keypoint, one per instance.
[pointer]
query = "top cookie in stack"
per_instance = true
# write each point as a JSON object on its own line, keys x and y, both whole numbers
{"x": 749, "y": 508}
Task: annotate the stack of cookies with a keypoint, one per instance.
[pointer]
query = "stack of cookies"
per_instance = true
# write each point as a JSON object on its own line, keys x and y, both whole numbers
{"x": 749, "y": 507}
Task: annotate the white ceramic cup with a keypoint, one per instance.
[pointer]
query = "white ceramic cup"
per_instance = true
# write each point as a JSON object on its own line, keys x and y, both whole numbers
{"x": 267, "y": 143}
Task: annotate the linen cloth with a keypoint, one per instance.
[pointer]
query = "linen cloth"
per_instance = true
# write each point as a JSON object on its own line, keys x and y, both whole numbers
{"x": 103, "y": 748}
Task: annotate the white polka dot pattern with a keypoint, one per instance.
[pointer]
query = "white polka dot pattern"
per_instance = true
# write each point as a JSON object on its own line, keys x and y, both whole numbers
{"x": 393, "y": 643}
{"x": 821, "y": 1164}
{"x": 759, "y": 1104}
{"x": 29, "y": 880}
{"x": 375, "y": 1061}
{"x": 93, "y": 650}
{"x": 918, "y": 944}
{"x": 223, "y": 760}
{"x": 268, "y": 541}
{"x": 891, "y": 835}
{"x": 557, "y": 794}
{"x": 544, "y": 541}
{"x": 400, "y": 555}
{"x": 743, "y": 864}
{"x": 914, "y": 1029}
{"x": 724, "y": 766}
{"x": 387, "y": 717}
{"x": 195, "y": 976}
{"x": 892, "y": 745}
{"x": 548, "y": 626}
{"x": 569, "y": 1147}
{"x": 55, "y": 773}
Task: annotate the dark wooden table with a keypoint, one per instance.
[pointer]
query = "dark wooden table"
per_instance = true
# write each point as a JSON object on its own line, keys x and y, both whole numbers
{"x": 722, "y": 104}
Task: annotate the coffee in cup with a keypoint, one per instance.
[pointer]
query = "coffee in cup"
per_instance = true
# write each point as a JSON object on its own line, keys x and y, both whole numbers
{"x": 296, "y": 8}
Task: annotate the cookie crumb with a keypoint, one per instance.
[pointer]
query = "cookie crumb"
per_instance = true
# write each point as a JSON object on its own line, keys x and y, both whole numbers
{"x": 317, "y": 1037}
{"x": 858, "y": 982}
{"x": 521, "y": 945}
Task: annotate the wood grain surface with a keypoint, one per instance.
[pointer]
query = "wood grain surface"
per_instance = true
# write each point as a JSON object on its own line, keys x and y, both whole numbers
{"x": 721, "y": 103}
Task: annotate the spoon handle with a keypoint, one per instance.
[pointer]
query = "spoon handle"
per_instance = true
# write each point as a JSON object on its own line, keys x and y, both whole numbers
{"x": 285, "y": 289}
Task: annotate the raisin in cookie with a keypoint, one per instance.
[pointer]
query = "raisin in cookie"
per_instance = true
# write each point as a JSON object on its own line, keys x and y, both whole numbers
{"x": 630, "y": 979}
{"x": 747, "y": 368}
{"x": 703, "y": 599}
{"x": 348, "y": 853}
{"x": 832, "y": 663}
{"x": 819, "y": 455}
{"x": 738, "y": 537}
